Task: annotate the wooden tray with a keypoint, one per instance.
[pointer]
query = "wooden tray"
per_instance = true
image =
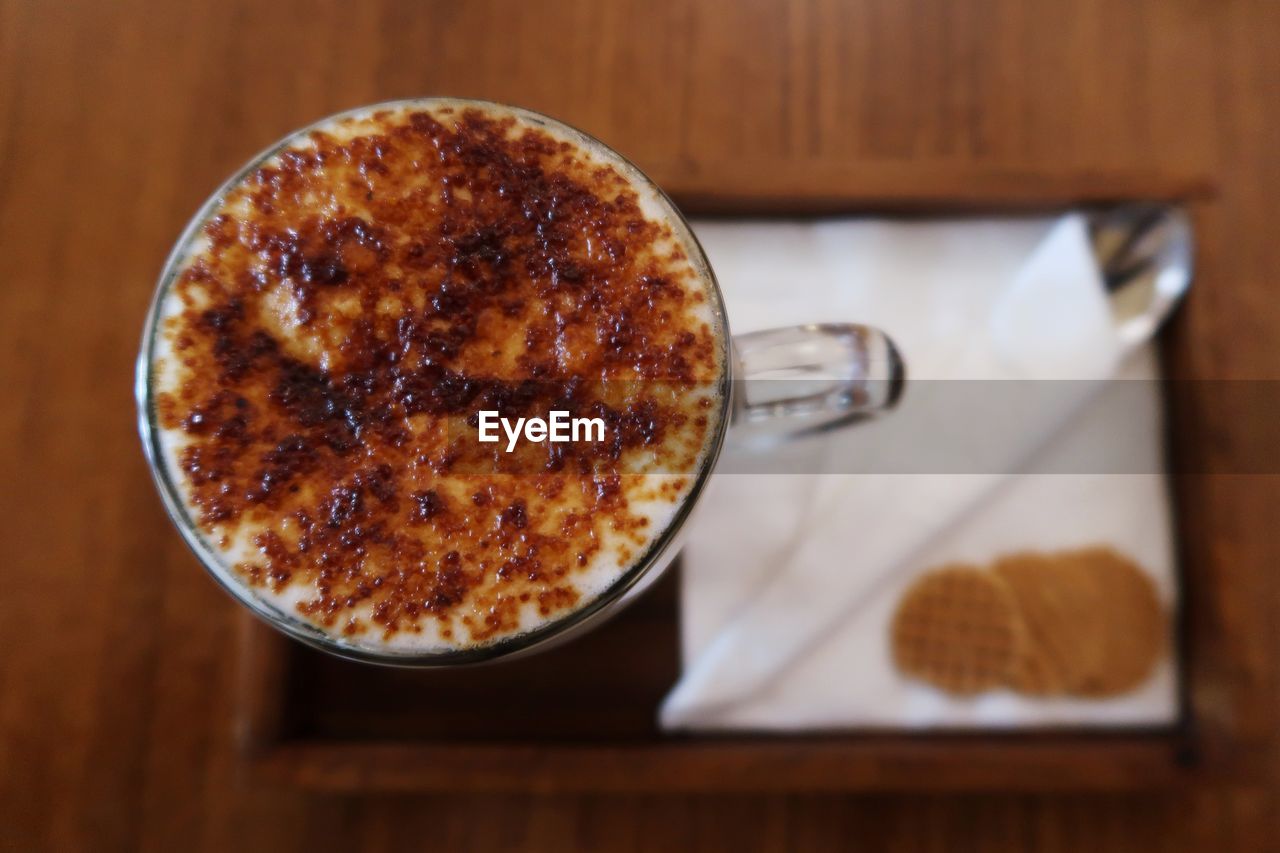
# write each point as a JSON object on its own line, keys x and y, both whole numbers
{"x": 582, "y": 716}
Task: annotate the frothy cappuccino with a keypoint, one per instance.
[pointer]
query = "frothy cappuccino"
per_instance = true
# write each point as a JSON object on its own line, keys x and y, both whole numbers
{"x": 351, "y": 314}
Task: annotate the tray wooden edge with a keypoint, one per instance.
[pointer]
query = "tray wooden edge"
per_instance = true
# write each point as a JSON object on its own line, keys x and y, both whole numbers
{"x": 746, "y": 188}
{"x": 850, "y": 763}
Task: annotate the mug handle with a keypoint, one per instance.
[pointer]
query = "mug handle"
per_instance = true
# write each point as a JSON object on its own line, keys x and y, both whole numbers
{"x": 804, "y": 380}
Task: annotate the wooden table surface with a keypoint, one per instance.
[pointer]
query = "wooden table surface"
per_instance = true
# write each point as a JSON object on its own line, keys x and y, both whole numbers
{"x": 117, "y": 119}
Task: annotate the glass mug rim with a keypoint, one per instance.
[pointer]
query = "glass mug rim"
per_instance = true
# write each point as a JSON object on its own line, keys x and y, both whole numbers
{"x": 536, "y": 639}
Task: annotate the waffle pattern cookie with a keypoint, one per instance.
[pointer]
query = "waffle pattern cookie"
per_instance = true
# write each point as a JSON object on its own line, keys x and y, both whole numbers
{"x": 1094, "y": 622}
{"x": 957, "y": 628}
{"x": 1086, "y": 622}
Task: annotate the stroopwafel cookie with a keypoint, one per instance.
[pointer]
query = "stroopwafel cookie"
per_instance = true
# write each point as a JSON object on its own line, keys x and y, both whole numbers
{"x": 1092, "y": 621}
{"x": 956, "y": 628}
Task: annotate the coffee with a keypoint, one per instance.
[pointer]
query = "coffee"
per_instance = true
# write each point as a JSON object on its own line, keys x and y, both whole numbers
{"x": 352, "y": 313}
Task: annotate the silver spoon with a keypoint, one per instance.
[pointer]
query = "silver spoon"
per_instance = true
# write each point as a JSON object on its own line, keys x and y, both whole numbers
{"x": 1145, "y": 253}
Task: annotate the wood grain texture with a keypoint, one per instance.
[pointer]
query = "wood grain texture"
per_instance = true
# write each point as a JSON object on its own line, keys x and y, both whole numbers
{"x": 118, "y": 684}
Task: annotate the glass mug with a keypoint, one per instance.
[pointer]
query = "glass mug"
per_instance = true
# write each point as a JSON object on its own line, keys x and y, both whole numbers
{"x": 780, "y": 384}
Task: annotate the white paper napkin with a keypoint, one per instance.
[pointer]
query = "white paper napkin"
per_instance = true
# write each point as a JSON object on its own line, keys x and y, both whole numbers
{"x": 790, "y": 579}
